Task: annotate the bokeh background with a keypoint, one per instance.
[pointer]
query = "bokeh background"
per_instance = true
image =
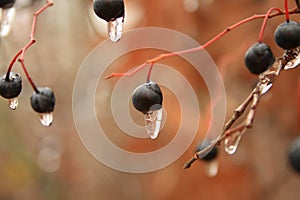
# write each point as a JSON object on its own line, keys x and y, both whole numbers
{"x": 38, "y": 163}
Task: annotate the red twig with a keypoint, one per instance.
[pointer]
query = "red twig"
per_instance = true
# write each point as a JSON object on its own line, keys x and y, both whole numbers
{"x": 214, "y": 39}
{"x": 286, "y": 8}
{"x": 20, "y": 56}
{"x": 263, "y": 27}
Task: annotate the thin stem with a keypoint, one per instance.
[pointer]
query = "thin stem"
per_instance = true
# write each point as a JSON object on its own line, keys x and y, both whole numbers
{"x": 149, "y": 72}
{"x": 286, "y": 8}
{"x": 213, "y": 40}
{"x": 11, "y": 64}
{"x": 263, "y": 27}
{"x": 28, "y": 77}
{"x": 21, "y": 53}
{"x": 130, "y": 73}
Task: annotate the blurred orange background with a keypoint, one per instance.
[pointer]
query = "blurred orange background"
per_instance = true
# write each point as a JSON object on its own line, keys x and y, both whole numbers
{"x": 51, "y": 163}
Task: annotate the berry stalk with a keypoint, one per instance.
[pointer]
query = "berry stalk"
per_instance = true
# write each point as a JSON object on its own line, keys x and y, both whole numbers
{"x": 286, "y": 7}
{"x": 149, "y": 72}
{"x": 263, "y": 27}
{"x": 20, "y": 56}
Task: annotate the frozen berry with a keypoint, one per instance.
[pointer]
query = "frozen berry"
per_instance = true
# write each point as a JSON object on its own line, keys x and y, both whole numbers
{"x": 287, "y": 35}
{"x": 10, "y": 88}
{"x": 147, "y": 97}
{"x": 43, "y": 101}
{"x": 109, "y": 10}
{"x": 294, "y": 154}
{"x": 6, "y": 3}
{"x": 211, "y": 155}
{"x": 259, "y": 58}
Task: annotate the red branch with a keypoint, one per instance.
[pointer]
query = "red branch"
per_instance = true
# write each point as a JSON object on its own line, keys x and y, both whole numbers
{"x": 20, "y": 56}
{"x": 214, "y": 39}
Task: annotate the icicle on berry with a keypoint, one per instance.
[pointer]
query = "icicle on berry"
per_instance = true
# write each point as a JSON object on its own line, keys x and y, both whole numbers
{"x": 7, "y": 15}
{"x": 294, "y": 154}
{"x": 43, "y": 102}
{"x": 113, "y": 12}
{"x": 147, "y": 98}
{"x": 11, "y": 88}
{"x": 232, "y": 141}
{"x": 259, "y": 58}
{"x": 287, "y": 35}
{"x": 210, "y": 158}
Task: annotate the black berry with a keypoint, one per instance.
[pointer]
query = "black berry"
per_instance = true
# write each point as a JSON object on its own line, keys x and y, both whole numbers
{"x": 294, "y": 154}
{"x": 12, "y": 87}
{"x": 287, "y": 35}
{"x": 147, "y": 97}
{"x": 259, "y": 58}
{"x": 6, "y": 3}
{"x": 43, "y": 101}
{"x": 211, "y": 155}
{"x": 109, "y": 10}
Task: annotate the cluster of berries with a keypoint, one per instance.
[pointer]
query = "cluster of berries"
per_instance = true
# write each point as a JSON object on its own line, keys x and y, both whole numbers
{"x": 259, "y": 56}
{"x": 42, "y": 100}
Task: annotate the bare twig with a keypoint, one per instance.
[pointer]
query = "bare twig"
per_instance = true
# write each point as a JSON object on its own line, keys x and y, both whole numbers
{"x": 20, "y": 56}
{"x": 290, "y": 59}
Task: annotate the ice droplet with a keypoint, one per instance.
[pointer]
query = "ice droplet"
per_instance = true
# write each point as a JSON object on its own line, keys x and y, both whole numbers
{"x": 293, "y": 63}
{"x": 153, "y": 122}
{"x": 191, "y": 5}
{"x": 265, "y": 87}
{"x": 7, "y": 17}
{"x": 46, "y": 119}
{"x": 13, "y": 103}
{"x": 212, "y": 168}
{"x": 232, "y": 141}
{"x": 115, "y": 29}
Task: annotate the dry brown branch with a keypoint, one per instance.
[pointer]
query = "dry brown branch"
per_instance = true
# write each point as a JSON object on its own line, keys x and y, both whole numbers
{"x": 289, "y": 60}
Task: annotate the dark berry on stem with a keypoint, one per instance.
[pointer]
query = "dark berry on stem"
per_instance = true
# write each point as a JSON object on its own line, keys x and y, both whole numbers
{"x": 43, "y": 101}
{"x": 109, "y": 10}
{"x": 287, "y": 35}
{"x": 6, "y": 3}
{"x": 211, "y": 155}
{"x": 12, "y": 87}
{"x": 294, "y": 154}
{"x": 259, "y": 58}
{"x": 147, "y": 97}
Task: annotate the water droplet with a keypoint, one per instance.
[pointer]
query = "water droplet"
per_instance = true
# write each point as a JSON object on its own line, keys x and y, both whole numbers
{"x": 13, "y": 103}
{"x": 232, "y": 141}
{"x": 212, "y": 168}
{"x": 7, "y": 17}
{"x": 115, "y": 29}
{"x": 153, "y": 122}
{"x": 265, "y": 87}
{"x": 46, "y": 119}
{"x": 49, "y": 159}
{"x": 191, "y": 5}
